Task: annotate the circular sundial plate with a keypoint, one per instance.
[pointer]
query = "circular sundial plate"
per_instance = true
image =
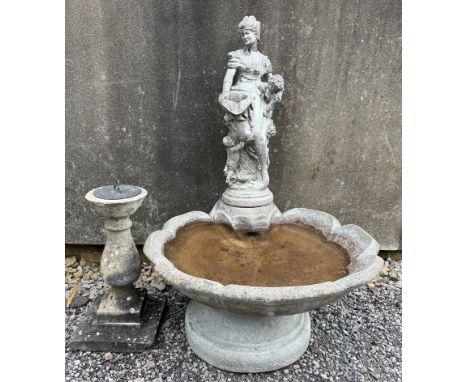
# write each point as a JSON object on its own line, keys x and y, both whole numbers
{"x": 122, "y": 191}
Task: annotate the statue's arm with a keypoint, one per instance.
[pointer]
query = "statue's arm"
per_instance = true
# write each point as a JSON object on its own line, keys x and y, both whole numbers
{"x": 227, "y": 82}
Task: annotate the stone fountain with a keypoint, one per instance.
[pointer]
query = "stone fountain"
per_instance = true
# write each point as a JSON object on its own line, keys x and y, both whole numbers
{"x": 252, "y": 272}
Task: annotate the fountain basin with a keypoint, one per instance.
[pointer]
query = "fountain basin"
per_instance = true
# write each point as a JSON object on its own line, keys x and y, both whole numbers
{"x": 243, "y": 328}
{"x": 266, "y": 301}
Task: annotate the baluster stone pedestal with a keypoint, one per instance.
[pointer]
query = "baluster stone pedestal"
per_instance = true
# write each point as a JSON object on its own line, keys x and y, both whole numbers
{"x": 124, "y": 319}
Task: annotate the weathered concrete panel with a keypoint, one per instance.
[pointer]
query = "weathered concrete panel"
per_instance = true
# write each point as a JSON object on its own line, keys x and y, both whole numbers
{"x": 142, "y": 80}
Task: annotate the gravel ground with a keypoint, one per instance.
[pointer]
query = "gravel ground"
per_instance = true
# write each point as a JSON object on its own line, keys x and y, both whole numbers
{"x": 355, "y": 339}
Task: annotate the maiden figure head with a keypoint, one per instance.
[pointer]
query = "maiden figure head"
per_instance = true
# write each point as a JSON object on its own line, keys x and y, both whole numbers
{"x": 249, "y": 29}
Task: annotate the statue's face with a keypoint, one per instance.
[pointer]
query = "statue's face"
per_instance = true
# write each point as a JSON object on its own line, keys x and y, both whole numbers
{"x": 248, "y": 36}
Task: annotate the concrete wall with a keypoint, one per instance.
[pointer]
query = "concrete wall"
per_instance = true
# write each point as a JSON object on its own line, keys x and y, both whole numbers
{"x": 142, "y": 80}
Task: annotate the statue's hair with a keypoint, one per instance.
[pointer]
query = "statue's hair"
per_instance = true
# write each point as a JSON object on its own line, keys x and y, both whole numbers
{"x": 250, "y": 23}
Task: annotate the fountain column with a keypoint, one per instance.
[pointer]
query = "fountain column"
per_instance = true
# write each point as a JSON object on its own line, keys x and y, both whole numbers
{"x": 249, "y": 96}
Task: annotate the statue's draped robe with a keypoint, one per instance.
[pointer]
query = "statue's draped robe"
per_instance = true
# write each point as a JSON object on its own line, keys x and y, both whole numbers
{"x": 250, "y": 68}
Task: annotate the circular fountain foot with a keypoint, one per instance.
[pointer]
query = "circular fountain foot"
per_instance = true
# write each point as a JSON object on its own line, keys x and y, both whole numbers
{"x": 245, "y": 344}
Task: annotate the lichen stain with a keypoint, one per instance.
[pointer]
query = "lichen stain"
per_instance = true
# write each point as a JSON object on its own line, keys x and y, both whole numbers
{"x": 315, "y": 171}
{"x": 330, "y": 155}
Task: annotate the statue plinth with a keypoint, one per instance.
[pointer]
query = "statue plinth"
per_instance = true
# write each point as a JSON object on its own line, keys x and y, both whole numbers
{"x": 246, "y": 209}
{"x": 247, "y": 198}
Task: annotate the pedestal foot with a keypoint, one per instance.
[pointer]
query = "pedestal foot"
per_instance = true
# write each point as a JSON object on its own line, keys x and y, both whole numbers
{"x": 246, "y": 344}
{"x": 93, "y": 334}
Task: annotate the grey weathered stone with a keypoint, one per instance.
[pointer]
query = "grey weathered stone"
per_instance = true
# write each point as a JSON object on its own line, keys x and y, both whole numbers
{"x": 246, "y": 218}
{"x": 91, "y": 336}
{"x": 143, "y": 77}
{"x": 124, "y": 319}
{"x": 233, "y": 326}
{"x": 249, "y": 96}
{"x": 364, "y": 266}
{"x": 264, "y": 344}
{"x": 120, "y": 262}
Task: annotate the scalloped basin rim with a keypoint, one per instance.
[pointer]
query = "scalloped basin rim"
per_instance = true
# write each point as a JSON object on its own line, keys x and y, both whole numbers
{"x": 361, "y": 247}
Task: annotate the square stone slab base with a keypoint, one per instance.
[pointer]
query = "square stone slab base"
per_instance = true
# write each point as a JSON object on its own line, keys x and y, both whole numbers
{"x": 92, "y": 336}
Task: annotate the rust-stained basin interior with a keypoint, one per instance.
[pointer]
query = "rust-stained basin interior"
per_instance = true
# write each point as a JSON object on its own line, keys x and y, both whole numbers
{"x": 285, "y": 255}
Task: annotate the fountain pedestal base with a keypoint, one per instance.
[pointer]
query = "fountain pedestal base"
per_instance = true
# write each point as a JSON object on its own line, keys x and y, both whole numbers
{"x": 246, "y": 218}
{"x": 246, "y": 344}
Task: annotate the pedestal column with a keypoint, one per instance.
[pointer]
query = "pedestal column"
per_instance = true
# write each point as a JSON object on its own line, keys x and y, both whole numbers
{"x": 124, "y": 319}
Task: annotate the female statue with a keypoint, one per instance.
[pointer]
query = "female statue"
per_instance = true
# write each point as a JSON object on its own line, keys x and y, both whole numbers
{"x": 250, "y": 92}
